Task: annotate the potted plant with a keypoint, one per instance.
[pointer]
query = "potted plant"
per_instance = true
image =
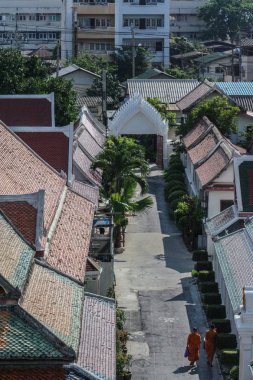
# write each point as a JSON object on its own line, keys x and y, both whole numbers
{"x": 120, "y": 365}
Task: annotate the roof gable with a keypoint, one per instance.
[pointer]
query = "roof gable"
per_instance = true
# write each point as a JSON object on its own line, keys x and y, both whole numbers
{"x": 22, "y": 172}
{"x": 27, "y": 110}
{"x": 197, "y": 133}
{"x": 15, "y": 255}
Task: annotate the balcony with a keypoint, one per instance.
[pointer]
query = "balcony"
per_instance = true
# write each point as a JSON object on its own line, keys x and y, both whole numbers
{"x": 96, "y": 9}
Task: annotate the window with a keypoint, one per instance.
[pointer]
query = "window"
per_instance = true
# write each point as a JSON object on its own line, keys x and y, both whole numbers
{"x": 42, "y": 17}
{"x": 225, "y": 204}
{"x": 31, "y": 36}
{"x": 54, "y": 17}
{"x": 51, "y": 36}
{"x": 21, "y": 17}
{"x": 218, "y": 70}
{"x": 43, "y": 36}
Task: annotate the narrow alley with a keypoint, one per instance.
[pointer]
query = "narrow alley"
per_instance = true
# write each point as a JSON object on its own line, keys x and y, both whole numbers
{"x": 155, "y": 289}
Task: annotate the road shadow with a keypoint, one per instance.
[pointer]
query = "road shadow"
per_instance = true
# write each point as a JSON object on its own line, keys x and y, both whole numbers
{"x": 183, "y": 369}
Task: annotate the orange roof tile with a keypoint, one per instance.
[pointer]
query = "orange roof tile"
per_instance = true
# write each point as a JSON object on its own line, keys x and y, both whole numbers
{"x": 195, "y": 133}
{"x": 70, "y": 244}
{"x": 22, "y": 172}
{"x": 55, "y": 301}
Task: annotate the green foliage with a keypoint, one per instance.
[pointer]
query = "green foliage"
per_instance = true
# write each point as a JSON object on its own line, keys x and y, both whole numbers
{"x": 216, "y": 311}
{"x": 229, "y": 357}
{"x": 123, "y": 60}
{"x": 176, "y": 195}
{"x": 188, "y": 216}
{"x": 206, "y": 275}
{"x": 120, "y": 318}
{"x": 211, "y": 299}
{"x": 170, "y": 117}
{"x": 176, "y": 187}
{"x": 218, "y": 110}
{"x": 199, "y": 255}
{"x": 190, "y": 72}
{"x": 176, "y": 167}
{"x": 94, "y": 63}
{"x": 222, "y": 325}
{"x": 234, "y": 372}
{"x": 170, "y": 177}
{"x": 208, "y": 287}
{"x": 226, "y": 18}
{"x": 195, "y": 273}
{"x": 173, "y": 204}
{"x": 113, "y": 87}
{"x": 203, "y": 265}
{"x": 224, "y": 341}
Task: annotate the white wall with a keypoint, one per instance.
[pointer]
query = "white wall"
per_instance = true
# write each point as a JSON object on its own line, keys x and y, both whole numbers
{"x": 214, "y": 201}
{"x": 80, "y": 78}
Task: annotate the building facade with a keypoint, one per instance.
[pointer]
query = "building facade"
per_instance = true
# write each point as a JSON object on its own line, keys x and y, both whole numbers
{"x": 144, "y": 23}
{"x": 94, "y": 26}
{"x": 184, "y": 20}
{"x": 28, "y": 25}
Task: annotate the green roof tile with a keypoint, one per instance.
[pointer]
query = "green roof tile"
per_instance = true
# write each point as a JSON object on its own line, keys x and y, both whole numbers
{"x": 21, "y": 340}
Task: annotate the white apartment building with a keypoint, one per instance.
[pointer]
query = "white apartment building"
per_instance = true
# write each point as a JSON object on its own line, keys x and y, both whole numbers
{"x": 30, "y": 24}
{"x": 145, "y": 23}
{"x": 184, "y": 20}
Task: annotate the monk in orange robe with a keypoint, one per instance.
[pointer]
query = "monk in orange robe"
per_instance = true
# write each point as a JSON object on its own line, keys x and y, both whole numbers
{"x": 210, "y": 344}
{"x": 193, "y": 345}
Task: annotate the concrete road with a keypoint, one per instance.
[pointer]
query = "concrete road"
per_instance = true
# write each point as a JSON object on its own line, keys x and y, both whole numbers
{"x": 154, "y": 287}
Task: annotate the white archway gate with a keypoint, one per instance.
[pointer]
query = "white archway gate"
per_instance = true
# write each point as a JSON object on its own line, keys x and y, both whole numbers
{"x": 139, "y": 117}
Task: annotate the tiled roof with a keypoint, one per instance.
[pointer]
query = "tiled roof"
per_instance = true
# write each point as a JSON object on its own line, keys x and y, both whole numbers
{"x": 197, "y": 132}
{"x": 213, "y": 166}
{"x": 25, "y": 111}
{"x": 236, "y": 226}
{"x": 23, "y": 172}
{"x": 69, "y": 246}
{"x": 21, "y": 341}
{"x": 52, "y": 147}
{"x": 204, "y": 59}
{"x": 72, "y": 68}
{"x": 92, "y": 101}
{"x": 236, "y": 88}
{"x": 55, "y": 301}
{"x": 236, "y": 268}
{"x": 95, "y": 128}
{"x": 249, "y": 227}
{"x": 23, "y": 216}
{"x": 33, "y": 374}
{"x": 205, "y": 146}
{"x": 87, "y": 191}
{"x": 97, "y": 348}
{"x": 153, "y": 72}
{"x": 82, "y": 161}
{"x": 167, "y": 90}
{"x": 195, "y": 95}
{"x": 222, "y": 220}
{"x": 15, "y": 255}
{"x": 92, "y": 265}
{"x": 89, "y": 144}
{"x": 245, "y": 102}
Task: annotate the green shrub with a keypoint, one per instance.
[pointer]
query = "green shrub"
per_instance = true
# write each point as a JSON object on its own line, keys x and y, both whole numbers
{"x": 199, "y": 255}
{"x": 229, "y": 357}
{"x": 176, "y": 195}
{"x": 216, "y": 311}
{"x": 234, "y": 372}
{"x": 173, "y": 204}
{"x": 174, "y": 158}
{"x": 224, "y": 340}
{"x": 208, "y": 287}
{"x": 176, "y": 182}
{"x": 222, "y": 325}
{"x": 176, "y": 166}
{"x": 195, "y": 273}
{"x": 174, "y": 177}
{"x": 203, "y": 265}
{"x": 206, "y": 275}
{"x": 211, "y": 298}
{"x": 179, "y": 187}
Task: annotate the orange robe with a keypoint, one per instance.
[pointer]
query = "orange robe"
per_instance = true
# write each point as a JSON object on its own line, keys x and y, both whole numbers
{"x": 193, "y": 344}
{"x": 210, "y": 345}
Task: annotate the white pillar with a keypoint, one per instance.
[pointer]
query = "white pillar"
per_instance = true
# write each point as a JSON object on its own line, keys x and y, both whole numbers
{"x": 244, "y": 325}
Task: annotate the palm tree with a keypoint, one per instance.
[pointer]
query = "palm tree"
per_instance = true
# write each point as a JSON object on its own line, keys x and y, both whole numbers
{"x": 124, "y": 167}
{"x": 121, "y": 160}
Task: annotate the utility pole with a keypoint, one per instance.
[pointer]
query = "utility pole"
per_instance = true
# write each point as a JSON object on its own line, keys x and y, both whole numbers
{"x": 240, "y": 57}
{"x": 232, "y": 66}
{"x": 104, "y": 102}
{"x": 57, "y": 58}
{"x": 133, "y": 51}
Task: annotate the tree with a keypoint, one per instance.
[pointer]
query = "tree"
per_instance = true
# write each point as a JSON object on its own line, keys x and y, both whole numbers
{"x": 226, "y": 18}
{"x": 123, "y": 61}
{"x": 170, "y": 117}
{"x": 119, "y": 161}
{"x": 189, "y": 215}
{"x": 113, "y": 87}
{"x": 218, "y": 110}
{"x": 189, "y": 72}
{"x": 94, "y": 63}
{"x": 124, "y": 167}
{"x": 21, "y": 75}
